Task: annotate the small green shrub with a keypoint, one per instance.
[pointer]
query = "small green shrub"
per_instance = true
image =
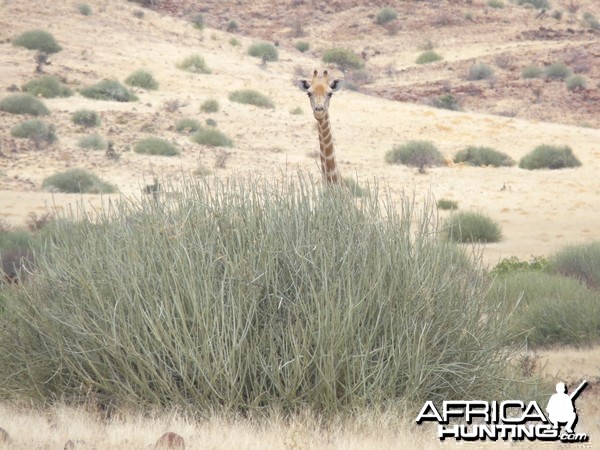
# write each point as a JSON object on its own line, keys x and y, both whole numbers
{"x": 36, "y": 130}
{"x": 156, "y": 146}
{"x": 47, "y": 86}
{"x": 345, "y": 59}
{"x": 549, "y": 157}
{"x": 419, "y": 154}
{"x": 483, "y": 156}
{"x": 513, "y": 264}
{"x": 547, "y": 309}
{"x": 538, "y": 4}
{"x": 194, "y": 64}
{"x": 480, "y": 71}
{"x": 92, "y": 142}
{"x": 210, "y": 106}
{"x": 23, "y": 104}
{"x": 469, "y": 226}
{"x": 447, "y": 204}
{"x": 198, "y": 21}
{"x": 251, "y": 97}
{"x": 187, "y": 125}
{"x": 427, "y": 57}
{"x": 496, "y": 4}
{"x": 110, "y": 90}
{"x": 211, "y": 137}
{"x": 557, "y": 71}
{"x": 264, "y": 50}
{"x": 77, "y": 181}
{"x": 581, "y": 262}
{"x": 232, "y": 27}
{"x": 38, "y": 40}
{"x": 296, "y": 111}
{"x": 575, "y": 82}
{"x": 386, "y": 15}
{"x": 302, "y": 46}
{"x": 142, "y": 79}
{"x": 591, "y": 21}
{"x": 532, "y": 72}
{"x": 210, "y": 122}
{"x": 446, "y": 101}
{"x": 86, "y": 118}
{"x": 84, "y": 9}
{"x": 234, "y": 42}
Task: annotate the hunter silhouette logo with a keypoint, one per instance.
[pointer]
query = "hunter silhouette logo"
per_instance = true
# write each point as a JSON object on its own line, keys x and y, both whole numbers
{"x": 510, "y": 419}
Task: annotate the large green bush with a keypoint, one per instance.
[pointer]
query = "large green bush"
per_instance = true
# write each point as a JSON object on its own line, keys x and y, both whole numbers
{"x": 252, "y": 297}
{"x": 23, "y": 104}
{"x": 47, "y": 86}
{"x": 38, "y": 40}
{"x": 549, "y": 157}
{"x": 251, "y": 97}
{"x": 77, "y": 181}
{"x": 546, "y": 309}
{"x": 579, "y": 261}
{"x": 483, "y": 156}
{"x": 36, "y": 130}
{"x": 109, "y": 90}
{"x": 469, "y": 226}
{"x": 419, "y": 154}
{"x": 345, "y": 59}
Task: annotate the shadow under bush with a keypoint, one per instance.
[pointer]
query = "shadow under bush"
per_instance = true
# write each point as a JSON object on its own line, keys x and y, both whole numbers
{"x": 248, "y": 297}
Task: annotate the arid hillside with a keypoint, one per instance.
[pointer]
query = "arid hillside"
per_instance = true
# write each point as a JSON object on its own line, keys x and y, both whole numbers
{"x": 388, "y": 102}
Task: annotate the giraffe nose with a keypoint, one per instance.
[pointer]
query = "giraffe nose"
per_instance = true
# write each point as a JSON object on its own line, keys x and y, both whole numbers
{"x": 318, "y": 108}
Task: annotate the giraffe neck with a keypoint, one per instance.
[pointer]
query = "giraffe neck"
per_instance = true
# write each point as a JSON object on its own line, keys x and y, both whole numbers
{"x": 328, "y": 163}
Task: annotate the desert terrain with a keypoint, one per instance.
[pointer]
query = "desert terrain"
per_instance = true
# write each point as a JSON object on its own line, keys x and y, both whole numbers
{"x": 539, "y": 211}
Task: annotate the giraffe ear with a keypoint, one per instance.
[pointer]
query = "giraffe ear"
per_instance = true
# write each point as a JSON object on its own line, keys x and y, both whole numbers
{"x": 304, "y": 85}
{"x": 336, "y": 84}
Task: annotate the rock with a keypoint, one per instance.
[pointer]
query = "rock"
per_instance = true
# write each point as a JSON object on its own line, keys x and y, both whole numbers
{"x": 170, "y": 440}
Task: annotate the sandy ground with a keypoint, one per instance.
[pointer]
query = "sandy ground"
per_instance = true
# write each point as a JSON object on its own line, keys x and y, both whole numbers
{"x": 539, "y": 211}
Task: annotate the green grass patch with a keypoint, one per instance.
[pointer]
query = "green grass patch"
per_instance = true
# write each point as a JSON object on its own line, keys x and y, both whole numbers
{"x": 251, "y": 97}
{"x": 345, "y": 59}
{"x": 483, "y": 156}
{"x": 156, "y": 146}
{"x": 264, "y": 50}
{"x": 38, "y": 40}
{"x": 469, "y": 226}
{"x": 211, "y": 137}
{"x": 23, "y": 104}
{"x": 210, "y": 106}
{"x": 92, "y": 142}
{"x": 110, "y": 90}
{"x": 427, "y": 57}
{"x": 549, "y": 157}
{"x": 142, "y": 79}
{"x": 36, "y": 130}
{"x": 581, "y": 262}
{"x": 249, "y": 297}
{"x": 187, "y": 125}
{"x": 420, "y": 154}
{"x": 47, "y": 86}
{"x": 546, "y": 309}
{"x": 78, "y": 181}
{"x": 86, "y": 118}
{"x": 194, "y": 64}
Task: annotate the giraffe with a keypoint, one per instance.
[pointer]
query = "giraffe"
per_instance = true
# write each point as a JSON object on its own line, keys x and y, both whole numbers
{"x": 320, "y": 90}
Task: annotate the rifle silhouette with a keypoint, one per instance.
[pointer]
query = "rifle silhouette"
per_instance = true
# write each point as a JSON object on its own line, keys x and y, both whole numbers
{"x": 578, "y": 390}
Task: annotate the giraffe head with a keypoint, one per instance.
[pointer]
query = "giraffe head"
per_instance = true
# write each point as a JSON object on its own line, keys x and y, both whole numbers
{"x": 320, "y": 90}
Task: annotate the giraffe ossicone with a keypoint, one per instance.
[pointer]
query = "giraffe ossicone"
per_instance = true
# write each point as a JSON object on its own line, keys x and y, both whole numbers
{"x": 319, "y": 91}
